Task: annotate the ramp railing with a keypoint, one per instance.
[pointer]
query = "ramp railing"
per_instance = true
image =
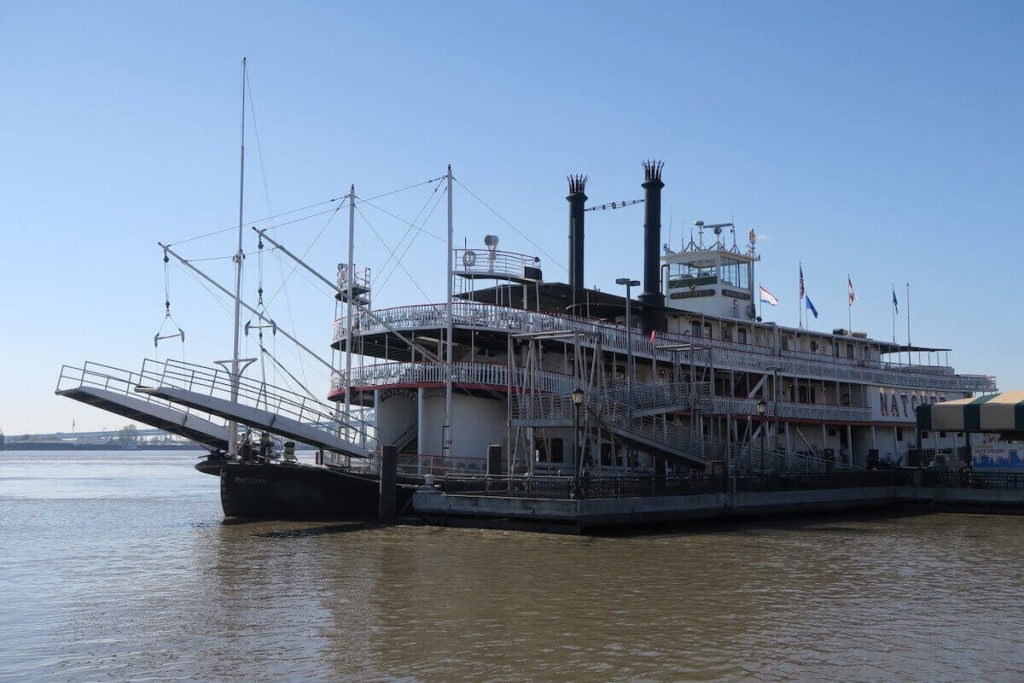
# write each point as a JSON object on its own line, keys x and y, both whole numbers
{"x": 117, "y": 381}
{"x": 217, "y": 382}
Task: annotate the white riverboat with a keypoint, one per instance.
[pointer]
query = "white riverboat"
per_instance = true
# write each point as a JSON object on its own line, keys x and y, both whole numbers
{"x": 684, "y": 377}
{"x": 553, "y": 384}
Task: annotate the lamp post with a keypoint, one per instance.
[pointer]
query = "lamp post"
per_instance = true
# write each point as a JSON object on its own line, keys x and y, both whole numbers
{"x": 629, "y": 338}
{"x": 762, "y": 408}
{"x": 577, "y": 401}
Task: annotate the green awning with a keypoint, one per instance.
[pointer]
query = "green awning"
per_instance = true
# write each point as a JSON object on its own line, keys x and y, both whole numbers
{"x": 990, "y": 413}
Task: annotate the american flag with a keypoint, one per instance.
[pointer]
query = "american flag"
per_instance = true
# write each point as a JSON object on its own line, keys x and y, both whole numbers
{"x": 801, "y": 281}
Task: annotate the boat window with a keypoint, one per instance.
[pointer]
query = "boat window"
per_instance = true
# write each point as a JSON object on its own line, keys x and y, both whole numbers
{"x": 735, "y": 273}
{"x": 849, "y": 351}
{"x": 695, "y": 328}
{"x": 606, "y": 454}
{"x": 741, "y": 336}
{"x": 691, "y": 274}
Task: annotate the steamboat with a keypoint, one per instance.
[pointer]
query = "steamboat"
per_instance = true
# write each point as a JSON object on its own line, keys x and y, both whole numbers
{"x": 514, "y": 376}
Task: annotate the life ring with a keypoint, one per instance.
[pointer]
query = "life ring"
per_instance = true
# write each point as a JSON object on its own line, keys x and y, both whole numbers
{"x": 751, "y": 310}
{"x": 469, "y": 259}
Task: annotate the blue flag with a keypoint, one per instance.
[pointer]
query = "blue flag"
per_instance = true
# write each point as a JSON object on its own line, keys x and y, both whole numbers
{"x": 811, "y": 307}
{"x": 895, "y": 303}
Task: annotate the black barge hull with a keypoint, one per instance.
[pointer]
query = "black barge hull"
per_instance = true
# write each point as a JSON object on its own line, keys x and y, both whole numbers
{"x": 298, "y": 491}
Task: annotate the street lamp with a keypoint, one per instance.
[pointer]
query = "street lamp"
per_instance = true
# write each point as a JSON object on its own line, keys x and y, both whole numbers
{"x": 629, "y": 337}
{"x": 577, "y": 401}
{"x": 762, "y": 408}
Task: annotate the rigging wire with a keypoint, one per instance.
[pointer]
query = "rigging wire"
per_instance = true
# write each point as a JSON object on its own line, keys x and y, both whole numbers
{"x": 259, "y": 149}
{"x": 509, "y": 224}
{"x": 415, "y": 283}
{"x": 387, "y": 277}
{"x": 383, "y": 277}
{"x": 167, "y": 315}
{"x": 305, "y": 253}
{"x": 303, "y": 208}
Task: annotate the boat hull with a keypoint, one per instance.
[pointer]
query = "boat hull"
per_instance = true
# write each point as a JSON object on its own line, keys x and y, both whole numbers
{"x": 297, "y": 491}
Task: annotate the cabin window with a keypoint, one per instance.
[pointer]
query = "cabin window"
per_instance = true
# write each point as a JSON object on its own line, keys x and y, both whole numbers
{"x": 734, "y": 273}
{"x": 741, "y": 336}
{"x": 785, "y": 343}
{"x": 695, "y": 328}
{"x": 606, "y": 454}
{"x": 835, "y": 349}
{"x": 556, "y": 451}
{"x": 849, "y": 351}
{"x": 899, "y": 433}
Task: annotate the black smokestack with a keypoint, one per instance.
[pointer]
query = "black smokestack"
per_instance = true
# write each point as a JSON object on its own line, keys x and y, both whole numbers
{"x": 653, "y": 301}
{"x": 576, "y": 199}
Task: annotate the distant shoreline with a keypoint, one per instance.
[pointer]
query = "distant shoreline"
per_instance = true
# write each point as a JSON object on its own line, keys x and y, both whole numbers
{"x": 65, "y": 446}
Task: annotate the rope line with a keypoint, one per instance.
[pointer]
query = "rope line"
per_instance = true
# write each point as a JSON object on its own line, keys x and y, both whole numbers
{"x": 509, "y": 224}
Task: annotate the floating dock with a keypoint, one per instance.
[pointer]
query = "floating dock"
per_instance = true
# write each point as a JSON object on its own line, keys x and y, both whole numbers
{"x": 546, "y": 506}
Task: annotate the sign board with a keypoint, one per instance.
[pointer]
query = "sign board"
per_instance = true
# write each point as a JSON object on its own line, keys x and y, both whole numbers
{"x": 999, "y": 456}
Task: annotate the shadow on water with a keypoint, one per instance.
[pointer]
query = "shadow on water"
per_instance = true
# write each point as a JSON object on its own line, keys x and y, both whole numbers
{"x": 816, "y": 522}
{"x": 331, "y": 529}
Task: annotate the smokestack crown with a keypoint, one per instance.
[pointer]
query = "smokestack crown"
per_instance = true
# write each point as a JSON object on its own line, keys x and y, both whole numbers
{"x": 577, "y": 184}
{"x": 652, "y": 172}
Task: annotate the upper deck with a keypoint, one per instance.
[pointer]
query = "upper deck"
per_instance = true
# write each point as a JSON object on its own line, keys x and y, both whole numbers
{"x": 490, "y": 325}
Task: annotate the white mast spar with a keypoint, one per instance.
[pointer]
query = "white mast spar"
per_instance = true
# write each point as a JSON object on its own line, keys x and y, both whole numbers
{"x": 447, "y": 441}
{"x": 239, "y": 255}
{"x": 348, "y": 305}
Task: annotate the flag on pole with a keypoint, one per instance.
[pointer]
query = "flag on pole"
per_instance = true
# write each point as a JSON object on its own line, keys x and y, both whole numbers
{"x": 801, "y": 281}
{"x": 849, "y": 286}
{"x": 895, "y": 302}
{"x": 768, "y": 297}
{"x": 811, "y": 307}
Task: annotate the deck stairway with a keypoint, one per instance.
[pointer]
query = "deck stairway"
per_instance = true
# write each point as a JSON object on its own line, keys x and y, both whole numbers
{"x": 259, "y": 405}
{"x": 645, "y": 423}
{"x": 112, "y": 389}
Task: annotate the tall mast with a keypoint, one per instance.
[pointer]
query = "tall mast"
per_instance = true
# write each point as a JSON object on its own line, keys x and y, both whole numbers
{"x": 233, "y": 426}
{"x": 446, "y": 445}
{"x": 348, "y": 300}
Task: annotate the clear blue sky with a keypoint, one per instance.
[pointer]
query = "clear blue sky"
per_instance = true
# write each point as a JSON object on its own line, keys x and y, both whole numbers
{"x": 881, "y": 139}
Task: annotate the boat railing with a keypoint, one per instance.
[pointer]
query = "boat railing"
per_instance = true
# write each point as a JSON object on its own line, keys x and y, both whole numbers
{"x": 723, "y": 405}
{"x": 117, "y": 381}
{"x": 487, "y": 374}
{"x": 615, "y": 338}
{"x": 602, "y": 485}
{"x": 485, "y": 262}
{"x": 217, "y": 382}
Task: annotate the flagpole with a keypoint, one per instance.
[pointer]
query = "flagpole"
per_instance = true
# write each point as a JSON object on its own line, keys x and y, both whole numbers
{"x": 908, "y": 324}
{"x": 849, "y": 304}
{"x": 800, "y": 299}
{"x": 893, "y": 312}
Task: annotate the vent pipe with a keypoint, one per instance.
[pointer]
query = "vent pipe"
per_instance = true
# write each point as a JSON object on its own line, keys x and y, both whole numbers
{"x": 652, "y": 300}
{"x": 576, "y": 199}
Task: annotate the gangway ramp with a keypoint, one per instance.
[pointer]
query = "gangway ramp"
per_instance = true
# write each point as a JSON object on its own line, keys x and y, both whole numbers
{"x": 110, "y": 388}
{"x": 258, "y": 418}
{"x": 256, "y": 404}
